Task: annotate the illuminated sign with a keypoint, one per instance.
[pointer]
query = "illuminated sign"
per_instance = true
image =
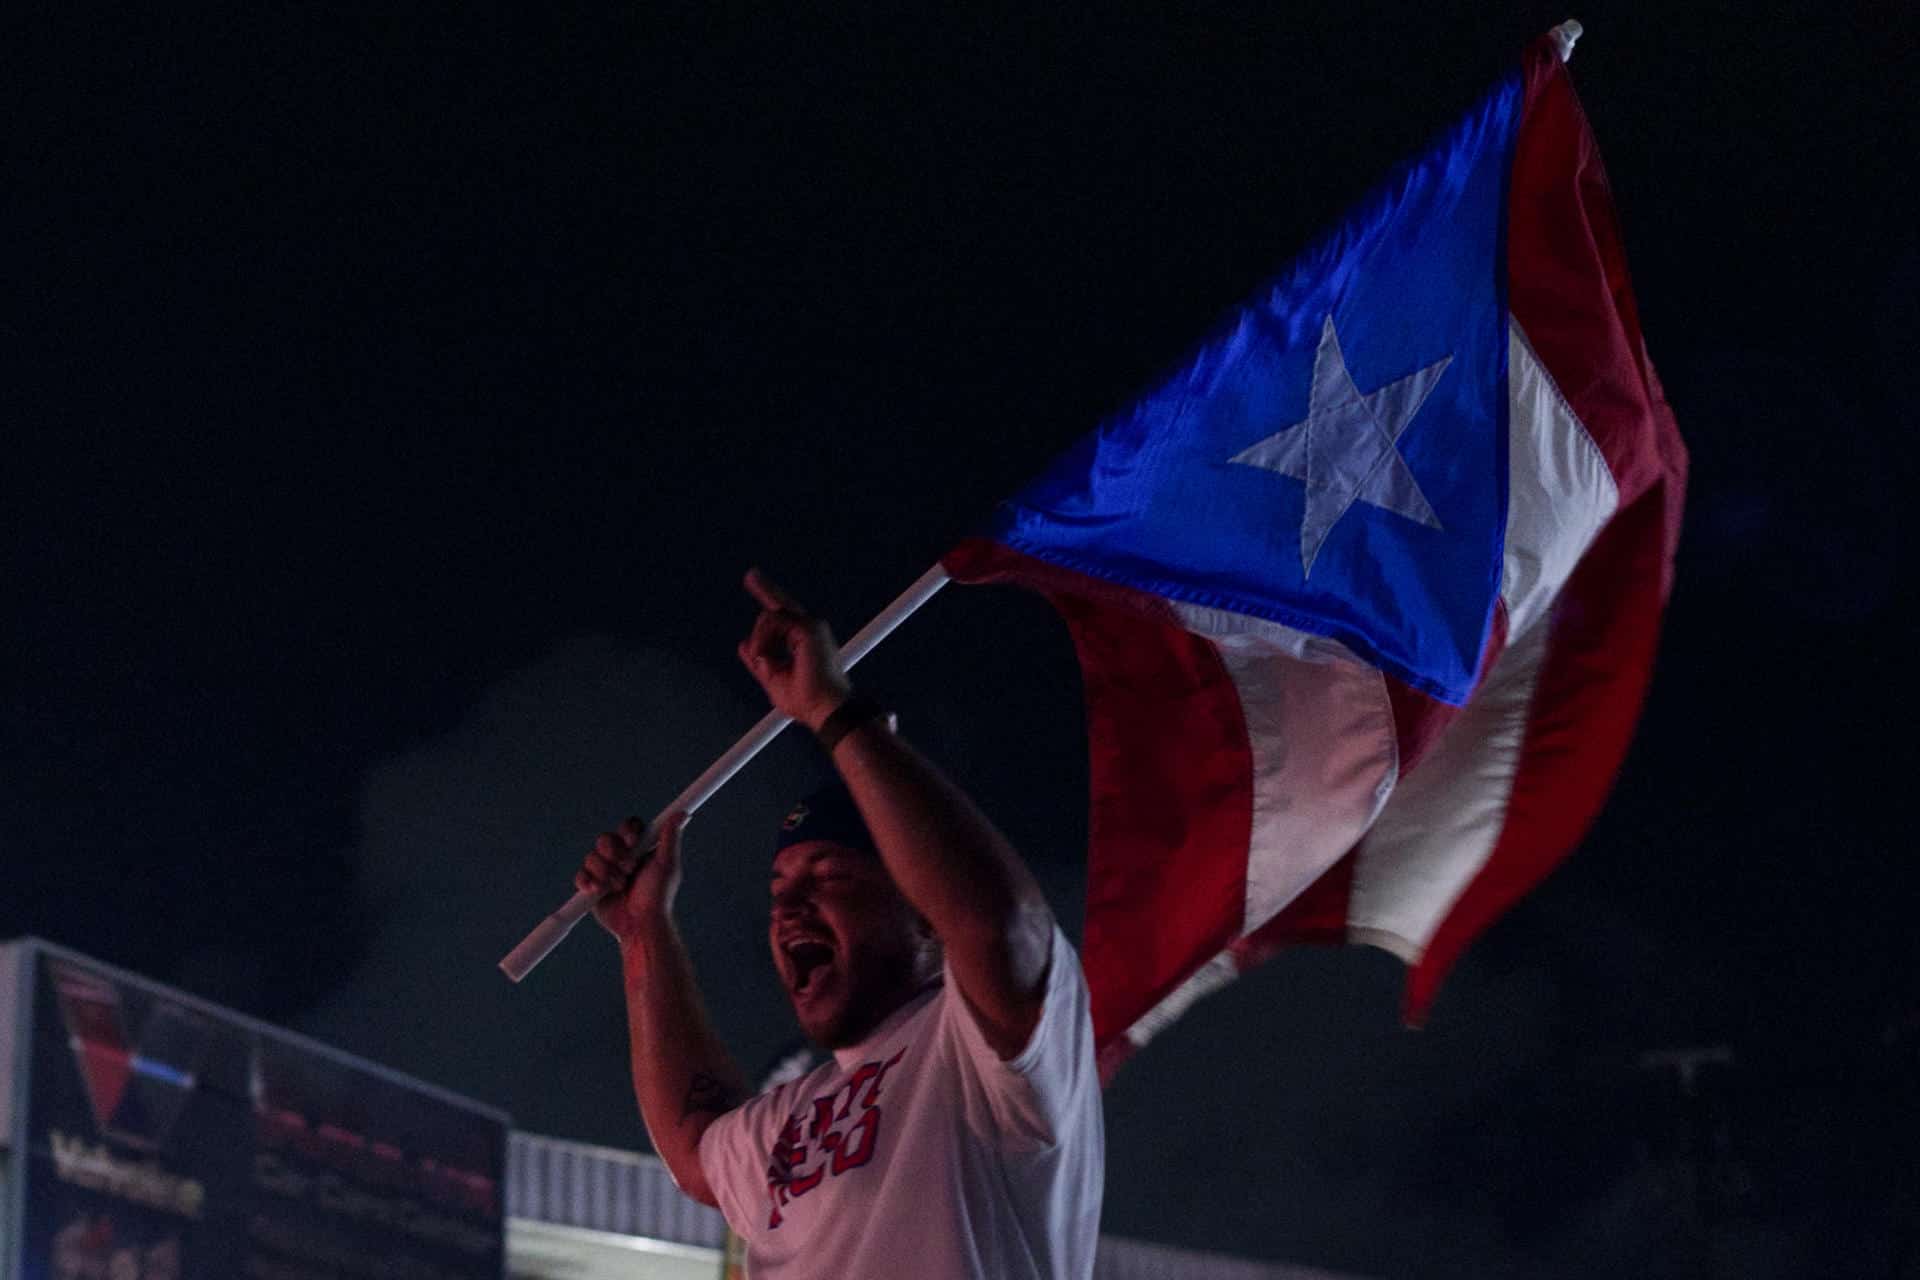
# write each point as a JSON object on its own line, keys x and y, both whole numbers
{"x": 157, "y": 1137}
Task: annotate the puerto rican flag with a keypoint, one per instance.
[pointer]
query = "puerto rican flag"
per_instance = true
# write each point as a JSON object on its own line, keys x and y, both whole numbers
{"x": 1366, "y": 594}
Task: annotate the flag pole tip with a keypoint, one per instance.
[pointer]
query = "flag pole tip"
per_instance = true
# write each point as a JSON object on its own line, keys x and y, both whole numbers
{"x": 1564, "y": 36}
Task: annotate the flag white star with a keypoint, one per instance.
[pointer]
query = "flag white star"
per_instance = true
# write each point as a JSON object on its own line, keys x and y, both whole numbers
{"x": 1346, "y": 449}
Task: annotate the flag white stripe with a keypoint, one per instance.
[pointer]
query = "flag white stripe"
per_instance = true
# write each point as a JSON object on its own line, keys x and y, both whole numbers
{"x": 1560, "y": 492}
{"x": 1325, "y": 758}
{"x": 1324, "y": 752}
{"x": 1443, "y": 820}
{"x": 1436, "y": 834}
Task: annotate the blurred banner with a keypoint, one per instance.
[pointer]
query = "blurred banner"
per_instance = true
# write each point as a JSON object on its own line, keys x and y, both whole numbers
{"x": 157, "y": 1137}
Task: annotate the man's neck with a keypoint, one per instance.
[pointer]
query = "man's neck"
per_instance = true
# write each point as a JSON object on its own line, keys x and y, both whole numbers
{"x": 888, "y": 1011}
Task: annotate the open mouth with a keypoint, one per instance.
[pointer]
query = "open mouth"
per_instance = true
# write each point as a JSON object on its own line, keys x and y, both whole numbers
{"x": 806, "y": 958}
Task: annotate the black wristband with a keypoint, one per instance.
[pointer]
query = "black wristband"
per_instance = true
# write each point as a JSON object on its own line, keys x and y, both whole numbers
{"x": 848, "y": 716}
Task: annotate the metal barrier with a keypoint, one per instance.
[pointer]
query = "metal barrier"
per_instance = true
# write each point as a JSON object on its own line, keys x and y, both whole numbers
{"x": 575, "y": 1184}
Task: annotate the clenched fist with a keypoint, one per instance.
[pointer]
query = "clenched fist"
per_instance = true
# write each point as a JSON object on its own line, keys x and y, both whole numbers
{"x": 635, "y": 884}
{"x": 793, "y": 656}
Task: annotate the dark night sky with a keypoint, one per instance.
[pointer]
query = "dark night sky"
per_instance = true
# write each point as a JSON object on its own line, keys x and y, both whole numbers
{"x": 393, "y": 399}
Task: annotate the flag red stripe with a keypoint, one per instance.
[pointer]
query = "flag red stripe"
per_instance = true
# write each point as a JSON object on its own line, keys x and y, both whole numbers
{"x": 1170, "y": 772}
{"x": 1569, "y": 290}
{"x": 1567, "y": 285}
{"x": 1591, "y": 686}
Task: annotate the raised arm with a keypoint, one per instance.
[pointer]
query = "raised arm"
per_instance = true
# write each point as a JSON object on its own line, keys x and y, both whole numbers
{"x": 682, "y": 1075}
{"x": 945, "y": 855}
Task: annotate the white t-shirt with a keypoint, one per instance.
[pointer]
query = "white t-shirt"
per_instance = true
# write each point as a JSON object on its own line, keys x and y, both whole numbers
{"x": 919, "y": 1152}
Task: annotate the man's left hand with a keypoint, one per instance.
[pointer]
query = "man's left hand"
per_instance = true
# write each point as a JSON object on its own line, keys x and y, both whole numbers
{"x": 793, "y": 655}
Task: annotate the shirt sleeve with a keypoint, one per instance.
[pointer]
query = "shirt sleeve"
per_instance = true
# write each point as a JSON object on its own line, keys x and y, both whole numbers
{"x": 734, "y": 1151}
{"x": 1033, "y": 1095}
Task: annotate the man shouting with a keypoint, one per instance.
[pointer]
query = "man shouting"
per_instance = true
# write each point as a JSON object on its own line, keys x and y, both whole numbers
{"x": 956, "y": 1130}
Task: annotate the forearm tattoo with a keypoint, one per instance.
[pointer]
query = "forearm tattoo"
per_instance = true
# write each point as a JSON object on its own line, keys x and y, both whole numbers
{"x": 707, "y": 1093}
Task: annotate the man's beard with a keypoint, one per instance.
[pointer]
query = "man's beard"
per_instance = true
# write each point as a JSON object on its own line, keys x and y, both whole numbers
{"x": 873, "y": 991}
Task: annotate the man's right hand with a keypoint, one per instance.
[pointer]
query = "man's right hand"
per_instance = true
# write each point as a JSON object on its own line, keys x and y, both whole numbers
{"x": 635, "y": 886}
{"x": 682, "y": 1076}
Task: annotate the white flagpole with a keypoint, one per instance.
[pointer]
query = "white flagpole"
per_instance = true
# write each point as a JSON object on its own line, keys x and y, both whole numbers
{"x": 520, "y": 961}
{"x": 1564, "y": 37}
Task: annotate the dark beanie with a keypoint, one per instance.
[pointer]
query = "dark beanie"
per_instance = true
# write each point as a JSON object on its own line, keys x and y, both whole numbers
{"x": 828, "y": 814}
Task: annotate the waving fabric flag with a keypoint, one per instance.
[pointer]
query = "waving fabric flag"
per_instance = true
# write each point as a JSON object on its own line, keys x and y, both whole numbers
{"x": 1367, "y": 593}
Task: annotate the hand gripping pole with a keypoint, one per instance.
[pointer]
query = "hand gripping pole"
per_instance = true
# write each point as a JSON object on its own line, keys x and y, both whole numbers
{"x": 520, "y": 961}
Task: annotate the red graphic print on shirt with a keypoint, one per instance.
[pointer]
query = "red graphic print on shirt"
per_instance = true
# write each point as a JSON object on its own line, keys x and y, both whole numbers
{"x": 831, "y": 1135}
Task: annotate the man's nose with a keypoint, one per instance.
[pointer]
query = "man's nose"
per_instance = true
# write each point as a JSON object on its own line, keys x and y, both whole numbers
{"x": 790, "y": 902}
